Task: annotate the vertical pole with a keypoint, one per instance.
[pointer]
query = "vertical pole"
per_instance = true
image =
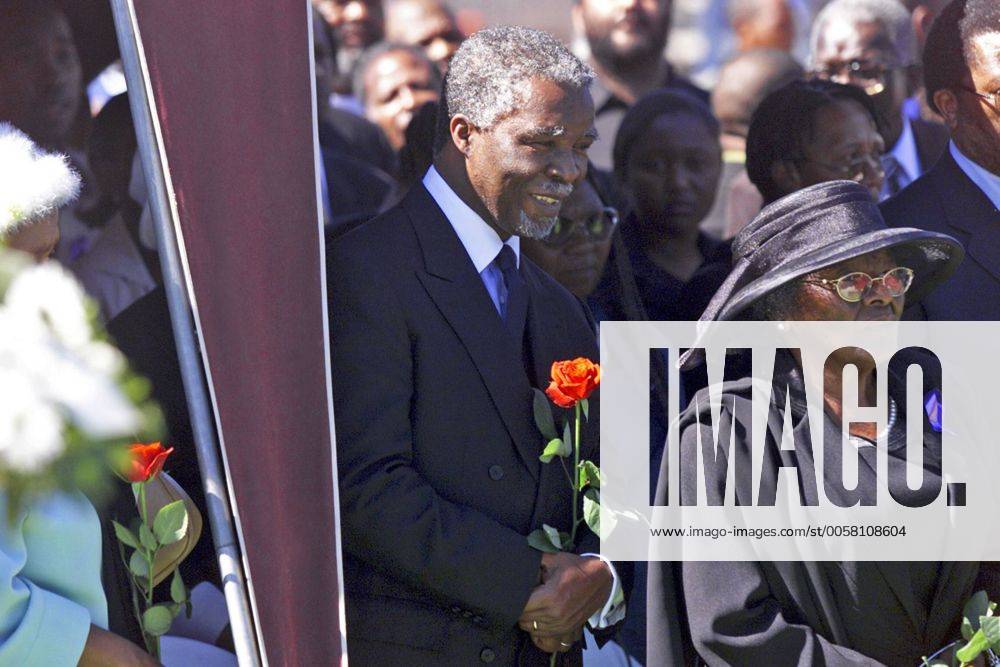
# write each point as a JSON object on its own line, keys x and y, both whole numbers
{"x": 216, "y": 493}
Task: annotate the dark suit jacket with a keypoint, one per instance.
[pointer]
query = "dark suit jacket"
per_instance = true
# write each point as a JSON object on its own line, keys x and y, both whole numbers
{"x": 945, "y": 200}
{"x": 931, "y": 139}
{"x": 801, "y": 613}
{"x": 437, "y": 451}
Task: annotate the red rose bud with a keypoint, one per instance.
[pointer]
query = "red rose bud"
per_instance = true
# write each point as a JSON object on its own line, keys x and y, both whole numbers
{"x": 573, "y": 381}
{"x": 145, "y": 461}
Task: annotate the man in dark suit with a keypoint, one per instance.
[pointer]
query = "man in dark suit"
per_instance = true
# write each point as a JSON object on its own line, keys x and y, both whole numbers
{"x": 871, "y": 44}
{"x": 439, "y": 331}
{"x": 960, "y": 196}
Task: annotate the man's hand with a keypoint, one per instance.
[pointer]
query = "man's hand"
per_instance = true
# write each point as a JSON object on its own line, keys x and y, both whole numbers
{"x": 557, "y": 644}
{"x": 573, "y": 589}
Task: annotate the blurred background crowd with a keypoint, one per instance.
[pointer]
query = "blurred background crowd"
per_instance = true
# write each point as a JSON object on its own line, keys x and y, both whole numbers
{"x": 707, "y": 110}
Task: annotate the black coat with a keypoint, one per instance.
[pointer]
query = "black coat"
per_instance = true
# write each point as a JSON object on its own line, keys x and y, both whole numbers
{"x": 945, "y": 200}
{"x": 800, "y": 613}
{"x": 437, "y": 451}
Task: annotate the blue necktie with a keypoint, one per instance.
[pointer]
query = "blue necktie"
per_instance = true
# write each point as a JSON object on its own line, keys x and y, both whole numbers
{"x": 514, "y": 308}
{"x": 895, "y": 176}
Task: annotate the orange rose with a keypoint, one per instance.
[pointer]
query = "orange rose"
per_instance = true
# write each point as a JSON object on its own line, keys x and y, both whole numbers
{"x": 573, "y": 381}
{"x": 145, "y": 461}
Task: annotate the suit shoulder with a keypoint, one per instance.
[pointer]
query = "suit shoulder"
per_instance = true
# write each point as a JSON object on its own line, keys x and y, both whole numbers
{"x": 381, "y": 238}
{"x": 915, "y": 206}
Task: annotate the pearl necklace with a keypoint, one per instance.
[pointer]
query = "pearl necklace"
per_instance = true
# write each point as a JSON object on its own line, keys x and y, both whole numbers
{"x": 860, "y": 442}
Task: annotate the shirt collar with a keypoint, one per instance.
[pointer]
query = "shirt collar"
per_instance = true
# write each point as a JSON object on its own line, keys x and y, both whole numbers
{"x": 985, "y": 180}
{"x": 905, "y": 151}
{"x": 479, "y": 239}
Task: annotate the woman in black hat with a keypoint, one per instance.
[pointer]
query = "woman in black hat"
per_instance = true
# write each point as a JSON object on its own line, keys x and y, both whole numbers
{"x": 823, "y": 253}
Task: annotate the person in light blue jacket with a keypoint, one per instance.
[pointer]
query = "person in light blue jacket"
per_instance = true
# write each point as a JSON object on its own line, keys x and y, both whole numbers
{"x": 52, "y": 606}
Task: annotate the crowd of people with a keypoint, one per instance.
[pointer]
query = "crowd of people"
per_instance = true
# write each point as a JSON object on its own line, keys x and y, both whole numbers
{"x": 489, "y": 199}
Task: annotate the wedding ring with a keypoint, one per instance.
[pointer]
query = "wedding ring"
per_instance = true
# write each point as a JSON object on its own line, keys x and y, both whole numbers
{"x": 534, "y": 626}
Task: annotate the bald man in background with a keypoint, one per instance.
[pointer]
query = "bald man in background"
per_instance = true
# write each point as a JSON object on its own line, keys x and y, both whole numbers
{"x": 743, "y": 82}
{"x": 761, "y": 24}
{"x": 427, "y": 24}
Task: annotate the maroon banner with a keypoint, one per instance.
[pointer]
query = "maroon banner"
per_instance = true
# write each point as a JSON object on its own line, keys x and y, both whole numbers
{"x": 232, "y": 90}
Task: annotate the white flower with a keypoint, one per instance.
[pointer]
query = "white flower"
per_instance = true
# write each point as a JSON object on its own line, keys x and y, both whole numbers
{"x": 47, "y": 295}
{"x": 30, "y": 428}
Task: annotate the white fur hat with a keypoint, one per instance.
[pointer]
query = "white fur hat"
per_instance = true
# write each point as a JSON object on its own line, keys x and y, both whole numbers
{"x": 33, "y": 183}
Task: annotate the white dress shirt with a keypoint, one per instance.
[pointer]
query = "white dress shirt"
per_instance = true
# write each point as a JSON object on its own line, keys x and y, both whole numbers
{"x": 985, "y": 180}
{"x": 483, "y": 245}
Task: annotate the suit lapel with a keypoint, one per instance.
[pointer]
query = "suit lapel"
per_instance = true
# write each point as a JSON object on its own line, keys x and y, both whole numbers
{"x": 456, "y": 288}
{"x": 969, "y": 210}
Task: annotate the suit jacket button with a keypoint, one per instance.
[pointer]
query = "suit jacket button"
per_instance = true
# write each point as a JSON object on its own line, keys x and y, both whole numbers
{"x": 487, "y": 655}
{"x": 496, "y": 473}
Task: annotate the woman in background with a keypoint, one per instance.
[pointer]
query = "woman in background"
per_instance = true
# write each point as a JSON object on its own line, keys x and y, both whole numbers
{"x": 53, "y": 610}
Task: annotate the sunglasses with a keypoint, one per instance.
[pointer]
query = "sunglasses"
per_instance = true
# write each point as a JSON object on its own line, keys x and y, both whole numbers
{"x": 855, "y": 286}
{"x": 870, "y": 77}
{"x": 598, "y": 227}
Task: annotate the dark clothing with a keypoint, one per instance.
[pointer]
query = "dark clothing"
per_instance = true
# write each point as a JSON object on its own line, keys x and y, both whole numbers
{"x": 356, "y": 190}
{"x": 437, "y": 450}
{"x": 359, "y": 165}
{"x": 808, "y": 613}
{"x": 348, "y": 134}
{"x": 945, "y": 200}
{"x": 664, "y": 296}
{"x": 610, "y": 109}
{"x": 932, "y": 142}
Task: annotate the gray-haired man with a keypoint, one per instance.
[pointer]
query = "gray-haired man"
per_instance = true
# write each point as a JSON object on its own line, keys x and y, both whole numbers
{"x": 872, "y": 44}
{"x": 440, "y": 330}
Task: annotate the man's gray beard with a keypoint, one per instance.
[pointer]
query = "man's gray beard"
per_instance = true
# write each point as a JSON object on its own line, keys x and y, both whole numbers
{"x": 532, "y": 228}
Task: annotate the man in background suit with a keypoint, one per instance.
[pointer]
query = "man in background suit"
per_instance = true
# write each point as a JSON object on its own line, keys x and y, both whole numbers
{"x": 871, "y": 44}
{"x": 960, "y": 196}
{"x": 439, "y": 331}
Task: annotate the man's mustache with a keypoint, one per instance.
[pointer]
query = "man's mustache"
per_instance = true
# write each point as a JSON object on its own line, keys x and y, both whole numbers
{"x": 560, "y": 190}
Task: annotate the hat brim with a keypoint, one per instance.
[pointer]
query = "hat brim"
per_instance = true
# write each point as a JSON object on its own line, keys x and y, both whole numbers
{"x": 933, "y": 258}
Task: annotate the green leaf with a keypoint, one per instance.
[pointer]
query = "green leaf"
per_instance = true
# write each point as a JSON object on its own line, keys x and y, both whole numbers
{"x": 138, "y": 565}
{"x": 585, "y": 406}
{"x": 552, "y": 450}
{"x": 592, "y": 514}
{"x": 967, "y": 630}
{"x": 171, "y": 522}
{"x": 990, "y": 626}
{"x": 178, "y": 592}
{"x": 590, "y": 475}
{"x": 539, "y": 539}
{"x": 543, "y": 415}
{"x": 976, "y": 645}
{"x": 147, "y": 538}
{"x": 977, "y": 606}
{"x": 156, "y": 620}
{"x": 554, "y": 537}
{"x": 125, "y": 536}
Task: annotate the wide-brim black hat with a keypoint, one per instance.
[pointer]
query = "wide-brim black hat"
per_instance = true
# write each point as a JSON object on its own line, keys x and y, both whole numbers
{"x": 816, "y": 227}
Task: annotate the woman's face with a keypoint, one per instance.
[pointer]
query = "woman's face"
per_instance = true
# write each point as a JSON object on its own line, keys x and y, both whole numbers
{"x": 845, "y": 145}
{"x": 815, "y": 301}
{"x": 673, "y": 172}
{"x": 38, "y": 239}
{"x": 578, "y": 261}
